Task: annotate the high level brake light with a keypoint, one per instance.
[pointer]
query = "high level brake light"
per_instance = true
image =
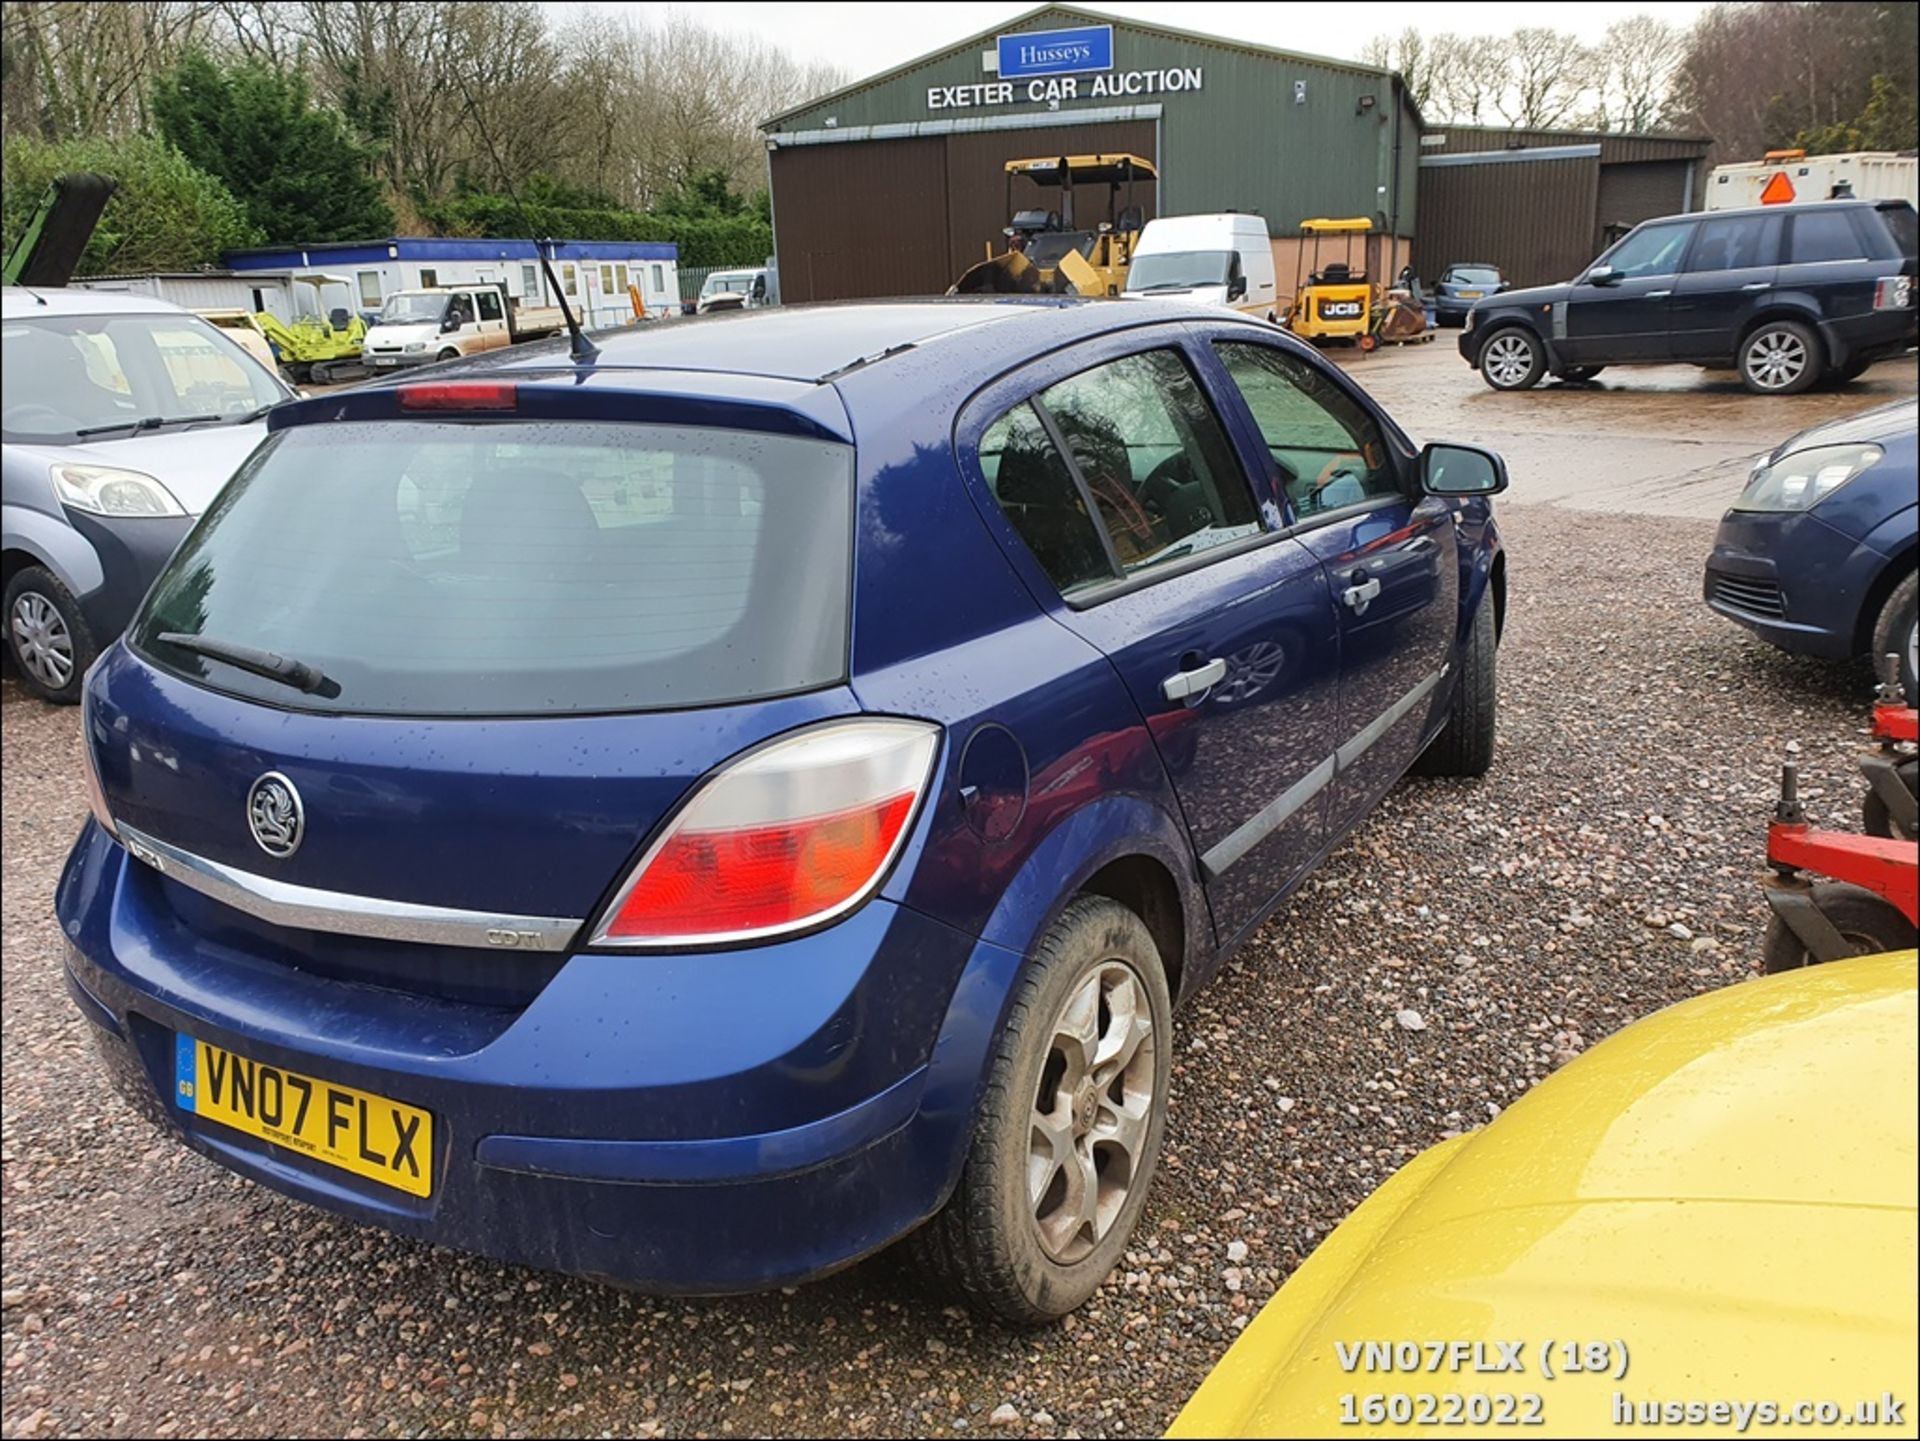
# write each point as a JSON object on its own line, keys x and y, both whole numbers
{"x": 460, "y": 395}
{"x": 789, "y": 836}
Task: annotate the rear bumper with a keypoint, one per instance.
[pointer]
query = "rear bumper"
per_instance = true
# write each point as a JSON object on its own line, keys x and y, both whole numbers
{"x": 612, "y": 1128}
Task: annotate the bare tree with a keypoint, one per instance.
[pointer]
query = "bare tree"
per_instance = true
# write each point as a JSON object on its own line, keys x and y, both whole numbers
{"x": 1410, "y": 54}
{"x": 1635, "y": 66}
{"x": 1548, "y": 74}
{"x": 75, "y": 69}
{"x": 1470, "y": 74}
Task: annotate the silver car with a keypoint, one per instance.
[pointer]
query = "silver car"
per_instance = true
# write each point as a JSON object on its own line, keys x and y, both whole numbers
{"x": 122, "y": 418}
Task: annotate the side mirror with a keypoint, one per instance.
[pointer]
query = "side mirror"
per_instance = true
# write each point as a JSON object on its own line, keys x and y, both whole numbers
{"x": 1603, "y": 275}
{"x": 449, "y": 325}
{"x": 1461, "y": 470}
{"x": 1237, "y": 288}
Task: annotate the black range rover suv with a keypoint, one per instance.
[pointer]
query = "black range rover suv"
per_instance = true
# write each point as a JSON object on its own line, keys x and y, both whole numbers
{"x": 1786, "y": 295}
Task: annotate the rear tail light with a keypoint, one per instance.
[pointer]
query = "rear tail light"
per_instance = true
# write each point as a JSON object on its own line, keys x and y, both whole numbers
{"x": 786, "y": 837}
{"x": 1893, "y": 292}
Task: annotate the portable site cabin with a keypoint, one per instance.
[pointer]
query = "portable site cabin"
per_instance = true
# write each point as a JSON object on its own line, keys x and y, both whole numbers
{"x": 198, "y": 289}
{"x": 594, "y": 275}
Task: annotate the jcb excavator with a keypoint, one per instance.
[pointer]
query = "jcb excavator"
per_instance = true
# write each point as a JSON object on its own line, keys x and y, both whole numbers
{"x": 1048, "y": 252}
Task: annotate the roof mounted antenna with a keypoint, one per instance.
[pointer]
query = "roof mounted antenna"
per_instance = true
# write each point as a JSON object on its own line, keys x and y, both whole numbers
{"x": 581, "y": 348}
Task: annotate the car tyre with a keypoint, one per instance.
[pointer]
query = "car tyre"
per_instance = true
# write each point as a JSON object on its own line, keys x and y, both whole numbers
{"x": 1780, "y": 357}
{"x": 448, "y": 354}
{"x": 1512, "y": 358}
{"x": 1464, "y": 746}
{"x": 48, "y": 638}
{"x": 1867, "y": 923}
{"x": 1011, "y": 1240}
{"x": 1897, "y": 631}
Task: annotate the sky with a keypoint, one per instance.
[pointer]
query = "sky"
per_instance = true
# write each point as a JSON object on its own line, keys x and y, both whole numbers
{"x": 865, "y": 38}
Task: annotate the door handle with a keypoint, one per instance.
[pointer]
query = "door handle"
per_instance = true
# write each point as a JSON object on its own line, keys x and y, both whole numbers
{"x": 1359, "y": 597}
{"x": 1759, "y": 285}
{"x": 1658, "y": 294}
{"x": 1184, "y": 683}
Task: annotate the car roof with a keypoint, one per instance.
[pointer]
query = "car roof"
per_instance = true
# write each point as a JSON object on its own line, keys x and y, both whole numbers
{"x": 819, "y": 342}
{"x": 1856, "y": 203}
{"x": 19, "y": 301}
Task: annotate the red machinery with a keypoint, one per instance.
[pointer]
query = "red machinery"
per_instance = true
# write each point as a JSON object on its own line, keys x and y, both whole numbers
{"x": 1868, "y": 896}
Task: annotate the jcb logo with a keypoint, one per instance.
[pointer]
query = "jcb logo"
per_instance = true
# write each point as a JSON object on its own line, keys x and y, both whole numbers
{"x": 514, "y": 940}
{"x": 1340, "y": 309}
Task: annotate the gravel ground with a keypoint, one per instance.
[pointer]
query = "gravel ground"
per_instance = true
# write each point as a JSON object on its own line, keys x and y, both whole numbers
{"x": 1607, "y": 867}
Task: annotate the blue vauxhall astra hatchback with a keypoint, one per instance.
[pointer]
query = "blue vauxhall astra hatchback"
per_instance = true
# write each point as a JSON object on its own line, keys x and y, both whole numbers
{"x": 695, "y": 815}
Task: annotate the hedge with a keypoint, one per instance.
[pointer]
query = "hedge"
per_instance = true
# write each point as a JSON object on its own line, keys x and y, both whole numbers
{"x": 707, "y": 241}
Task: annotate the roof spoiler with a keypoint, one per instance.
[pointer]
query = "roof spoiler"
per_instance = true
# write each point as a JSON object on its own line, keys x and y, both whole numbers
{"x": 49, "y": 249}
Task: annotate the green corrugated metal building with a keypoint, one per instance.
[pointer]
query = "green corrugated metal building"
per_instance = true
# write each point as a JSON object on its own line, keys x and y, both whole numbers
{"x": 894, "y": 185}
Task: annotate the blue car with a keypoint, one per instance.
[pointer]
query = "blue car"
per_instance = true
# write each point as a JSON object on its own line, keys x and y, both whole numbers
{"x": 1818, "y": 554}
{"x": 695, "y": 815}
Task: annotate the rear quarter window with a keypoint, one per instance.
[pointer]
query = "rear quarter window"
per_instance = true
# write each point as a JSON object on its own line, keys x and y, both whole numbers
{"x": 450, "y": 568}
{"x": 1903, "y": 227}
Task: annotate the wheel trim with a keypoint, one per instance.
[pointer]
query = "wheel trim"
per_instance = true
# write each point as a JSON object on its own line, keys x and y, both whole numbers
{"x": 1091, "y": 1112}
{"x": 1775, "y": 359}
{"x": 41, "y": 641}
{"x": 1508, "y": 359}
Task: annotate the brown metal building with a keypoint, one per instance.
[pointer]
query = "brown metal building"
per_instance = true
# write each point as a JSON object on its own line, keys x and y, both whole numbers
{"x": 1540, "y": 204}
{"x": 903, "y": 217}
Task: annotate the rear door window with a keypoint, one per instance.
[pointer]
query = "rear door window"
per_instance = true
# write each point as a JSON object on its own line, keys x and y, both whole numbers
{"x": 1116, "y": 471}
{"x": 1736, "y": 242}
{"x": 1153, "y": 459}
{"x": 489, "y": 304}
{"x": 1819, "y": 235}
{"x": 443, "y": 568}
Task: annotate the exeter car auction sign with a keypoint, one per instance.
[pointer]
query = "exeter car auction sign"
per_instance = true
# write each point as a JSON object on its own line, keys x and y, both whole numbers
{"x": 1047, "y": 66}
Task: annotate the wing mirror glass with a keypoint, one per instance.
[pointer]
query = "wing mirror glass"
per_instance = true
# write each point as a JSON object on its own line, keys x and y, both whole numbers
{"x": 1237, "y": 288}
{"x": 1461, "y": 470}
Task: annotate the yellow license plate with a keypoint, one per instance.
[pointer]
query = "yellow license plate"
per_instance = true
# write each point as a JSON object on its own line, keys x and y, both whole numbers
{"x": 385, "y": 1141}
{"x": 1471, "y": 294}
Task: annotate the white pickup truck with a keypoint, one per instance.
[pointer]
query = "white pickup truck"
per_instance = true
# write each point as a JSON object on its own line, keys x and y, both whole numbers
{"x": 417, "y": 327}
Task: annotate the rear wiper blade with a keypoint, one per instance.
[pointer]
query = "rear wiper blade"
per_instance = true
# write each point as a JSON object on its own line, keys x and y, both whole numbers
{"x": 296, "y": 673}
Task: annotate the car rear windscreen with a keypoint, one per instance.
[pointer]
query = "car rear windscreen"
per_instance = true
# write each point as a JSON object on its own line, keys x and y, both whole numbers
{"x": 1473, "y": 275}
{"x": 518, "y": 568}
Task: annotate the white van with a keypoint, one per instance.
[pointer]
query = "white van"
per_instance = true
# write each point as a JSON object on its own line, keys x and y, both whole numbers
{"x": 1214, "y": 259}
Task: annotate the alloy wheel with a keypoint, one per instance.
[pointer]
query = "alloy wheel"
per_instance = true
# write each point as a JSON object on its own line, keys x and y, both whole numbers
{"x": 1092, "y": 1111}
{"x": 1508, "y": 359}
{"x": 41, "y": 640}
{"x": 1775, "y": 359}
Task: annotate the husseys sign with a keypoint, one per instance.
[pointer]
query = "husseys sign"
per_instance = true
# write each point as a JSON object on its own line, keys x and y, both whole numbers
{"x": 1047, "y": 66}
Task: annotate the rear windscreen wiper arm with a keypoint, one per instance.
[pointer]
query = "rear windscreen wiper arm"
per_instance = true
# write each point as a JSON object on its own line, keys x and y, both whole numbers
{"x": 296, "y": 673}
